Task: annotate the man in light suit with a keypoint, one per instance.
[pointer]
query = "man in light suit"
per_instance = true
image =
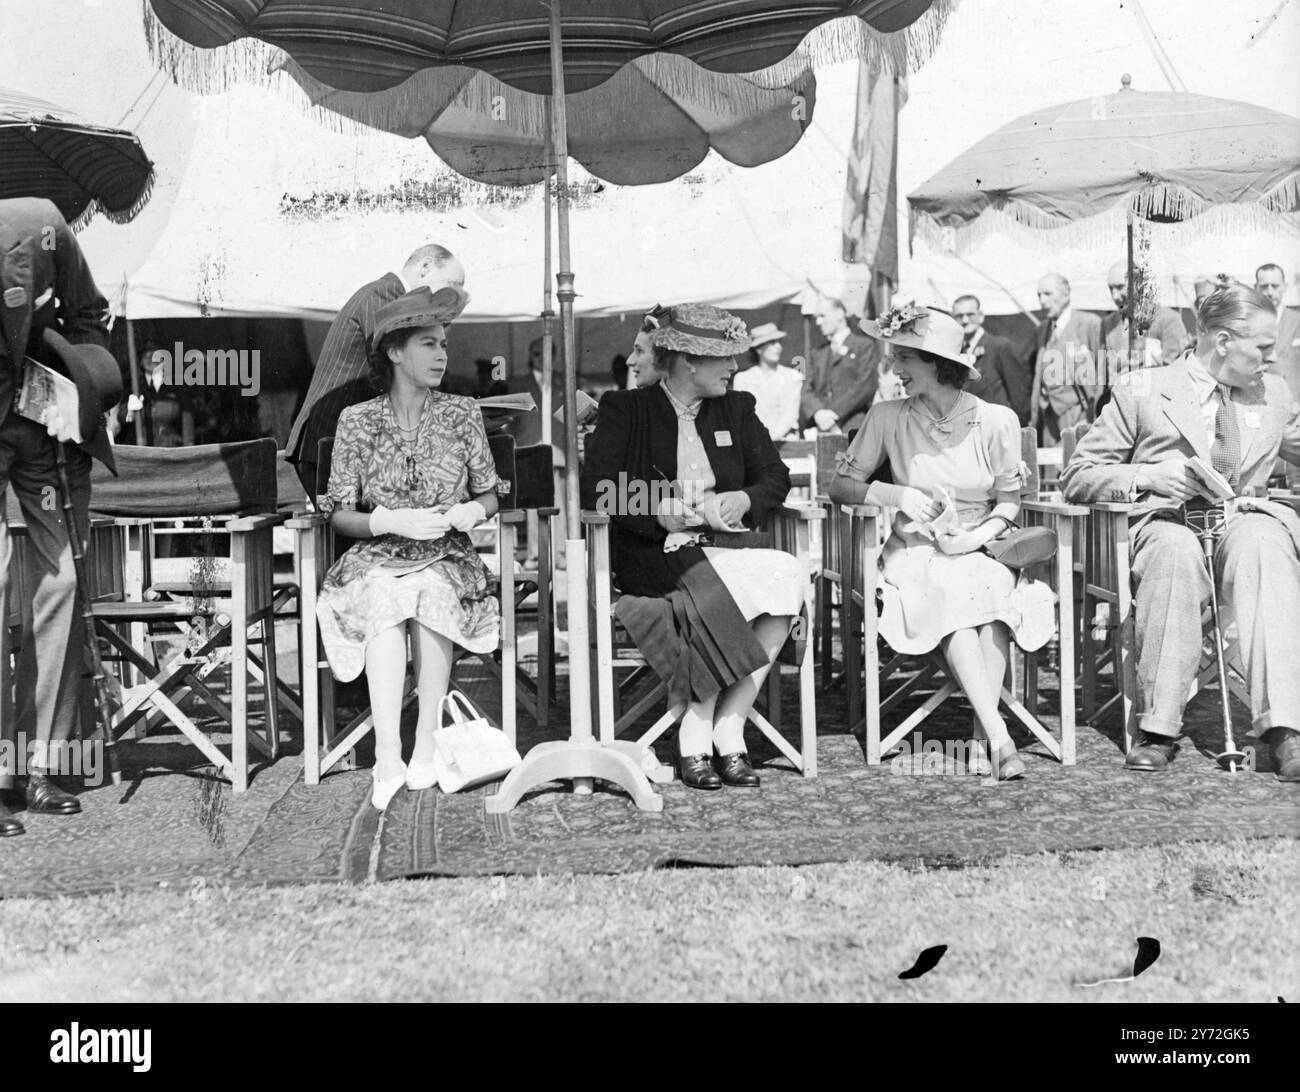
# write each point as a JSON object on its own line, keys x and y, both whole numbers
{"x": 1218, "y": 403}
{"x": 1166, "y": 328}
{"x": 341, "y": 378}
{"x": 46, "y": 284}
{"x": 1065, "y": 371}
{"x": 1002, "y": 381}
{"x": 842, "y": 375}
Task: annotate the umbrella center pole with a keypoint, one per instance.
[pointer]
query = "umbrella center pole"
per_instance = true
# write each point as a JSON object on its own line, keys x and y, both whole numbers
{"x": 580, "y": 758}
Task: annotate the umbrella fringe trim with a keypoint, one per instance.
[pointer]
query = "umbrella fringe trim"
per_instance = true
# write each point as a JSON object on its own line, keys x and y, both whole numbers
{"x": 251, "y": 60}
{"x": 117, "y": 216}
{"x": 1018, "y": 219}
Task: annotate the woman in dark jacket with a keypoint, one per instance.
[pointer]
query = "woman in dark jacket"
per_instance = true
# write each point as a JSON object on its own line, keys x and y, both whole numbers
{"x": 689, "y": 478}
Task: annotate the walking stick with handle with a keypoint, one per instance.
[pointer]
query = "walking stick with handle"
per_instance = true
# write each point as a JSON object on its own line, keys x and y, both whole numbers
{"x": 105, "y": 718}
{"x": 1208, "y": 526}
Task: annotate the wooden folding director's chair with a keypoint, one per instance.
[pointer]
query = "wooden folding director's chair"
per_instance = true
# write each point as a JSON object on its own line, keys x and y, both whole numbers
{"x": 868, "y": 528}
{"x": 325, "y": 745}
{"x": 615, "y": 652}
{"x": 208, "y": 601}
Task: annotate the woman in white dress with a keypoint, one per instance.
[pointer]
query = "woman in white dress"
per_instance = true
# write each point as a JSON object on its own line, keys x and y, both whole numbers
{"x": 955, "y": 463}
{"x": 689, "y": 478}
{"x": 776, "y": 389}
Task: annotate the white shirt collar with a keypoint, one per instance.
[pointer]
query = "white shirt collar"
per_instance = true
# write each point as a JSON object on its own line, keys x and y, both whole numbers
{"x": 1064, "y": 317}
{"x": 840, "y": 340}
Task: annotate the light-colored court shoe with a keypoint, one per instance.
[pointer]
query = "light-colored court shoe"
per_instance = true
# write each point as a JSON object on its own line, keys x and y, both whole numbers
{"x": 384, "y": 791}
{"x": 421, "y": 775}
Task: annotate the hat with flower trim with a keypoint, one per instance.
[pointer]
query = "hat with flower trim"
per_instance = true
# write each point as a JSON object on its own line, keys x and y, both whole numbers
{"x": 924, "y": 328}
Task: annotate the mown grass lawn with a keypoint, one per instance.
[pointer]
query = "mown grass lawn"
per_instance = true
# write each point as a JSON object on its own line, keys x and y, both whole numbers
{"x": 1025, "y": 928}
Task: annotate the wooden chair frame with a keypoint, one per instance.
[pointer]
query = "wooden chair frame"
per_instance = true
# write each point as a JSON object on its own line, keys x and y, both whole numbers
{"x": 325, "y": 745}
{"x": 866, "y": 527}
{"x": 792, "y": 532}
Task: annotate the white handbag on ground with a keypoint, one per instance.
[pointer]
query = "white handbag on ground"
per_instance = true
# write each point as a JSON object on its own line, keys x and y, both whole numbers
{"x": 469, "y": 749}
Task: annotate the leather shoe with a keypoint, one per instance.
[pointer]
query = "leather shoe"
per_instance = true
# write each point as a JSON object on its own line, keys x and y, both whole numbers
{"x": 1151, "y": 754}
{"x": 44, "y": 796}
{"x": 736, "y": 770}
{"x": 9, "y": 826}
{"x": 697, "y": 773}
{"x": 1286, "y": 754}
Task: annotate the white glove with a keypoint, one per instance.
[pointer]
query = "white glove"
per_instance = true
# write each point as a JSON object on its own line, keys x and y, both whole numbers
{"x": 676, "y": 515}
{"x": 465, "y": 516}
{"x": 60, "y": 427}
{"x": 417, "y": 523}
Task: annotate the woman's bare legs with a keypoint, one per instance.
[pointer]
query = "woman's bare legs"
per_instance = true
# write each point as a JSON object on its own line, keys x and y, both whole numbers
{"x": 995, "y": 646}
{"x": 964, "y": 653}
{"x": 734, "y": 703}
{"x": 431, "y": 655}
{"x": 386, "y": 674}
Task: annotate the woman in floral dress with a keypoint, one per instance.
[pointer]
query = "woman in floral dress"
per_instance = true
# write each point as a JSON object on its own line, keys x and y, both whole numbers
{"x": 411, "y": 474}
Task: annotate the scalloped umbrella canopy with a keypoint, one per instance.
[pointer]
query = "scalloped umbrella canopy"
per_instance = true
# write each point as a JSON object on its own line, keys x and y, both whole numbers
{"x": 1172, "y": 154}
{"x": 46, "y": 151}
{"x": 372, "y": 45}
{"x": 652, "y": 121}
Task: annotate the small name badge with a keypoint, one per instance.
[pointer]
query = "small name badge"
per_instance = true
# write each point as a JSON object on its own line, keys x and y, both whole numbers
{"x": 15, "y": 297}
{"x": 722, "y": 439}
{"x": 1251, "y": 419}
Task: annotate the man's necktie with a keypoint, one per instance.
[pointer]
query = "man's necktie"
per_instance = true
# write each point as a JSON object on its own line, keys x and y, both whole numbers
{"x": 1225, "y": 454}
{"x": 965, "y": 344}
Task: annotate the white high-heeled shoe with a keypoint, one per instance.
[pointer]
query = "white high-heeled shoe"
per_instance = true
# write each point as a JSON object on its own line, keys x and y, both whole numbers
{"x": 421, "y": 775}
{"x": 384, "y": 791}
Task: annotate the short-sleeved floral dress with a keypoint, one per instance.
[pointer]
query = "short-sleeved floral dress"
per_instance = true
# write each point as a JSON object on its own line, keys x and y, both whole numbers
{"x": 973, "y": 454}
{"x": 382, "y": 582}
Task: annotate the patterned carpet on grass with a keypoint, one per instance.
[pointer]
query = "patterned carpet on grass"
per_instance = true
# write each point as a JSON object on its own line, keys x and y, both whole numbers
{"x": 171, "y": 823}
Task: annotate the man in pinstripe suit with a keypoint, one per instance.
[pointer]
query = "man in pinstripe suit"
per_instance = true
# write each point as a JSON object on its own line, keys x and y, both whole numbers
{"x": 341, "y": 378}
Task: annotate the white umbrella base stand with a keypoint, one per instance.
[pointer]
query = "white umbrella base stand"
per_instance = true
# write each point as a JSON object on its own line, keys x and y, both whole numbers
{"x": 580, "y": 758}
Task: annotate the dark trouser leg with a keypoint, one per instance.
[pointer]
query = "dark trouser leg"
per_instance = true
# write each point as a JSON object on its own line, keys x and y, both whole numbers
{"x": 48, "y": 685}
{"x": 1259, "y": 578}
{"x": 1172, "y": 590}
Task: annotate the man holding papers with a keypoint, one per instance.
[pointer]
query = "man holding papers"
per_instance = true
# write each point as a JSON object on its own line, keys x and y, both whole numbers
{"x": 50, "y": 309}
{"x": 1217, "y": 408}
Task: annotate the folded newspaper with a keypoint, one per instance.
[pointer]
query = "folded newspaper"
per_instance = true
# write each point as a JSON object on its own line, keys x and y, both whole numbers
{"x": 1214, "y": 484}
{"x": 41, "y": 389}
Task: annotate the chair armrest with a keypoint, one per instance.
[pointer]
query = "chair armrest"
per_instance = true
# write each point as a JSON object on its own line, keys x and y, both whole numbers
{"x": 306, "y": 521}
{"x": 255, "y": 523}
{"x": 1117, "y": 507}
{"x": 803, "y": 510}
{"x": 862, "y": 511}
{"x": 594, "y": 519}
{"x": 1054, "y": 508}
{"x": 511, "y": 515}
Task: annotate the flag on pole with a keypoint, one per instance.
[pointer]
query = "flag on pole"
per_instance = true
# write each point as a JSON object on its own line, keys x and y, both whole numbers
{"x": 870, "y": 224}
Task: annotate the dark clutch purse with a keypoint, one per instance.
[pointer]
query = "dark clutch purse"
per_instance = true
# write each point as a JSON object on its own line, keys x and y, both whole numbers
{"x": 1023, "y": 547}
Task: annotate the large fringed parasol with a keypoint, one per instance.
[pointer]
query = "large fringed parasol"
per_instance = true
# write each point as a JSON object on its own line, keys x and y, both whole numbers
{"x": 47, "y": 151}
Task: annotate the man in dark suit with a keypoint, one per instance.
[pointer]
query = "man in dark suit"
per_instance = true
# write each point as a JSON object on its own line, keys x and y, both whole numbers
{"x": 1216, "y": 403}
{"x": 1065, "y": 372}
{"x": 842, "y": 375}
{"x": 1166, "y": 328}
{"x": 341, "y": 378}
{"x": 45, "y": 284}
{"x": 1003, "y": 380}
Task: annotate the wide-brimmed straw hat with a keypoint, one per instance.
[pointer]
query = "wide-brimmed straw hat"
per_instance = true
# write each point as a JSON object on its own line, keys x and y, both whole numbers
{"x": 924, "y": 328}
{"x": 418, "y": 308}
{"x": 764, "y": 334}
{"x": 701, "y": 330}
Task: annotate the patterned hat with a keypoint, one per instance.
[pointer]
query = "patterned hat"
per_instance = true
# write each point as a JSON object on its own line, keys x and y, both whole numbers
{"x": 419, "y": 307}
{"x": 701, "y": 330}
{"x": 925, "y": 328}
